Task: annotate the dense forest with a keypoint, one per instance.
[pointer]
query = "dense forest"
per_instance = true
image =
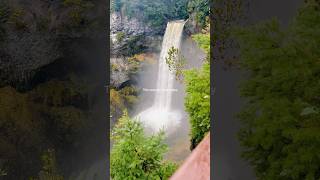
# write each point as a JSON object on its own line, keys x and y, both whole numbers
{"x": 280, "y": 131}
{"x": 280, "y": 121}
{"x": 157, "y": 13}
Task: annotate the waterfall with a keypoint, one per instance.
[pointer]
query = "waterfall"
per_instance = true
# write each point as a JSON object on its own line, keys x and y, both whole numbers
{"x": 161, "y": 115}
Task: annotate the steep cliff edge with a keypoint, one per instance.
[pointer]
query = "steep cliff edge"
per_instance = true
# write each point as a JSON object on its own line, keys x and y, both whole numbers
{"x": 129, "y": 37}
{"x": 34, "y": 34}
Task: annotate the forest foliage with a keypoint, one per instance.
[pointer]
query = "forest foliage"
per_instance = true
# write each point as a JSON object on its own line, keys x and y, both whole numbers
{"x": 156, "y": 12}
{"x": 203, "y": 41}
{"x": 201, "y": 10}
{"x": 176, "y": 62}
{"x": 197, "y": 102}
{"x": 197, "y": 81}
{"x": 197, "y": 99}
{"x": 122, "y": 99}
{"x": 135, "y": 155}
{"x": 50, "y": 116}
{"x": 281, "y": 126}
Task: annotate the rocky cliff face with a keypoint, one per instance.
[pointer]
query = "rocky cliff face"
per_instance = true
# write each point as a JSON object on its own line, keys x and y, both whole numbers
{"x": 28, "y": 39}
{"x": 131, "y": 27}
{"x": 129, "y": 36}
{"x": 34, "y": 34}
{"x": 21, "y": 55}
{"x": 119, "y": 72}
{"x": 192, "y": 27}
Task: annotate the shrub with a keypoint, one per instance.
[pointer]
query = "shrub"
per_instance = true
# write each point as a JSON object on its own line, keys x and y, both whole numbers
{"x": 137, "y": 156}
{"x": 120, "y": 36}
{"x": 197, "y": 100}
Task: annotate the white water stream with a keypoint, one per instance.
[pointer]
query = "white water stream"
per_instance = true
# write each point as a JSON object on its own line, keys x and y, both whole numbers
{"x": 161, "y": 115}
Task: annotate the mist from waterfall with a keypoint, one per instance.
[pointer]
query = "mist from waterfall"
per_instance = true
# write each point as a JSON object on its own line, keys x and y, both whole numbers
{"x": 161, "y": 115}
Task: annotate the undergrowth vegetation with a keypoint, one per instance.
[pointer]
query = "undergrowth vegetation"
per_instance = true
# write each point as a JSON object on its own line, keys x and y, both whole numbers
{"x": 136, "y": 155}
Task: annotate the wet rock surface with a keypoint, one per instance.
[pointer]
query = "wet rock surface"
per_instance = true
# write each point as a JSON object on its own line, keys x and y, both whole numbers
{"x": 20, "y": 55}
{"x": 119, "y": 72}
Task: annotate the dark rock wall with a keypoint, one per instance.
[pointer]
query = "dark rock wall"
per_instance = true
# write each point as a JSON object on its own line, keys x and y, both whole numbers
{"x": 52, "y": 78}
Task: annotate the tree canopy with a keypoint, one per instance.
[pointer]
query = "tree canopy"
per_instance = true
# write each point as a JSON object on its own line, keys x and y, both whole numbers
{"x": 135, "y": 155}
{"x": 200, "y": 8}
{"x": 155, "y": 12}
{"x": 197, "y": 99}
{"x": 281, "y": 124}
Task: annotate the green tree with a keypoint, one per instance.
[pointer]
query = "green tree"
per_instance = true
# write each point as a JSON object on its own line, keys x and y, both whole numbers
{"x": 120, "y": 36}
{"x": 281, "y": 124}
{"x": 122, "y": 99}
{"x": 203, "y": 41}
{"x": 137, "y": 156}
{"x": 201, "y": 10}
{"x": 156, "y": 12}
{"x": 176, "y": 62}
{"x": 197, "y": 100}
{"x": 35, "y": 120}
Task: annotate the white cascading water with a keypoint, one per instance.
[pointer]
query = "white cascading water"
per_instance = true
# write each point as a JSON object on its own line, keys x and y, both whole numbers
{"x": 161, "y": 115}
